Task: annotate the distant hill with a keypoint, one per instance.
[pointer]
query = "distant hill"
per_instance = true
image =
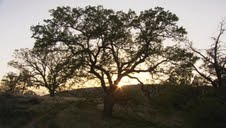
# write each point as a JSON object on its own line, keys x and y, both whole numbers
{"x": 98, "y": 91}
{"x": 168, "y": 107}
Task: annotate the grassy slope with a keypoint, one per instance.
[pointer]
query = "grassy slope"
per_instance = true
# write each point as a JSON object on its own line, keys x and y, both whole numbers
{"x": 169, "y": 107}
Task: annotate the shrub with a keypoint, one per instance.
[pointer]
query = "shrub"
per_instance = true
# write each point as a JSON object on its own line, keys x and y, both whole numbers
{"x": 209, "y": 113}
{"x": 174, "y": 97}
{"x": 13, "y": 113}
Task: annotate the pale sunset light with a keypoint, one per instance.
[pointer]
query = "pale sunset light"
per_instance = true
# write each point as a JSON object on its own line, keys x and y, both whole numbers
{"x": 200, "y": 19}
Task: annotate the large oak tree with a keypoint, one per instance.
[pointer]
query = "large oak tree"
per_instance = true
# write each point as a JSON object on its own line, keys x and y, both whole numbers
{"x": 114, "y": 44}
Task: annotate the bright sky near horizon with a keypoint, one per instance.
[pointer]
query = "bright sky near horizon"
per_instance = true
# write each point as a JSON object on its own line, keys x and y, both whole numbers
{"x": 199, "y": 17}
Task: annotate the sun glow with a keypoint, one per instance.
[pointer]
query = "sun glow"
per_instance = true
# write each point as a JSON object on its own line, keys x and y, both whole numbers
{"x": 119, "y": 85}
{"x": 144, "y": 77}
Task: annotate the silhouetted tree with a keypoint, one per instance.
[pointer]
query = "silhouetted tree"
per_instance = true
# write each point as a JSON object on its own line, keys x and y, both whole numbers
{"x": 10, "y": 81}
{"x": 179, "y": 68}
{"x": 14, "y": 83}
{"x": 113, "y": 44}
{"x": 214, "y": 59}
{"x": 199, "y": 81}
{"x": 50, "y": 68}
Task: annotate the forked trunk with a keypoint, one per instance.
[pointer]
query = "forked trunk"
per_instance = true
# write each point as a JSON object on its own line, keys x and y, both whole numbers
{"x": 108, "y": 106}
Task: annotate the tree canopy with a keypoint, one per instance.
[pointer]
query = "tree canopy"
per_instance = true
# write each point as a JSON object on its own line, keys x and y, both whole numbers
{"x": 50, "y": 69}
{"x": 113, "y": 44}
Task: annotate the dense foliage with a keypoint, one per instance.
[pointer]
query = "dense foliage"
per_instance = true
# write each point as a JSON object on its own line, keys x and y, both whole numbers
{"x": 114, "y": 44}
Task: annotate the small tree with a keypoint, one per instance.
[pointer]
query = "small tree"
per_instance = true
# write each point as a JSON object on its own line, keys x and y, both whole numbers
{"x": 113, "y": 44}
{"x": 213, "y": 66}
{"x": 179, "y": 75}
{"x": 199, "y": 81}
{"x": 10, "y": 82}
{"x": 179, "y": 69}
{"x": 50, "y": 68}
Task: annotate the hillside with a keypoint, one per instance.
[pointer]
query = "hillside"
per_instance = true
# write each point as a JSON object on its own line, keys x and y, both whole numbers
{"x": 168, "y": 107}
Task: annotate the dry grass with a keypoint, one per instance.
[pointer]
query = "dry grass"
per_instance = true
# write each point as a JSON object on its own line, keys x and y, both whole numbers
{"x": 172, "y": 107}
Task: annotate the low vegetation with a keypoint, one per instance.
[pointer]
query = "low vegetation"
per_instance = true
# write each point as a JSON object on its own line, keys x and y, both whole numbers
{"x": 168, "y": 107}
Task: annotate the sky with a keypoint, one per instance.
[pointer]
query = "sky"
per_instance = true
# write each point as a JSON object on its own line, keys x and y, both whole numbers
{"x": 200, "y": 18}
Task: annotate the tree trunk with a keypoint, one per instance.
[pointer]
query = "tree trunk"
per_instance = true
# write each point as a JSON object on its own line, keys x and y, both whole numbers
{"x": 52, "y": 92}
{"x": 108, "y": 106}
